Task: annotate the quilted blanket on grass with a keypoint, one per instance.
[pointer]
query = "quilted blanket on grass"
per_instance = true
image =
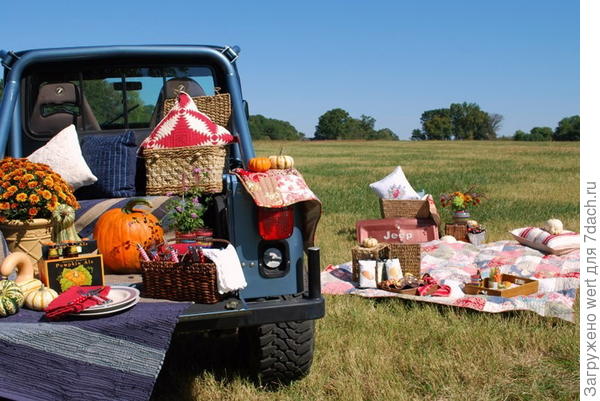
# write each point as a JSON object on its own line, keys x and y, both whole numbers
{"x": 454, "y": 263}
{"x": 116, "y": 357}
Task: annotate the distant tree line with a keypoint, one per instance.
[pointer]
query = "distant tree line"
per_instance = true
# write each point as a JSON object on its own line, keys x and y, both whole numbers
{"x": 459, "y": 121}
{"x": 567, "y": 130}
{"x": 262, "y": 127}
{"x": 338, "y": 124}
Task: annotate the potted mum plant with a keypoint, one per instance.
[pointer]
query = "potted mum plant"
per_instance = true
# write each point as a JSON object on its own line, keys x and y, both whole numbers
{"x": 460, "y": 202}
{"x": 185, "y": 214}
{"x": 29, "y": 194}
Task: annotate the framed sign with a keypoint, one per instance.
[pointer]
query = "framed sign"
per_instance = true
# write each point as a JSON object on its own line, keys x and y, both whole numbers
{"x": 61, "y": 274}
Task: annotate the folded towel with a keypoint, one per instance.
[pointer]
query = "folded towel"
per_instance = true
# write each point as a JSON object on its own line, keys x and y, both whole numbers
{"x": 230, "y": 276}
{"x": 76, "y": 299}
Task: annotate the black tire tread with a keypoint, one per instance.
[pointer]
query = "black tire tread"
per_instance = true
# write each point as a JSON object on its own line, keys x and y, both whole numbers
{"x": 280, "y": 352}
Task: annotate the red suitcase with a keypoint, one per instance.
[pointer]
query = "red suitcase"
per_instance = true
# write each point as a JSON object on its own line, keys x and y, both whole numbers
{"x": 398, "y": 230}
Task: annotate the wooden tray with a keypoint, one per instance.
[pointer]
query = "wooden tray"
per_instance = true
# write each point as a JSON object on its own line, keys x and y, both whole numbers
{"x": 526, "y": 286}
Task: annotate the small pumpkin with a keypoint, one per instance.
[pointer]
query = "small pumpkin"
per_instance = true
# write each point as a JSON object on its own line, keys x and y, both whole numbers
{"x": 259, "y": 164}
{"x": 30, "y": 285}
{"x": 20, "y": 261}
{"x": 40, "y": 299}
{"x": 369, "y": 242}
{"x": 11, "y": 298}
{"x": 118, "y": 231}
{"x": 63, "y": 224}
{"x": 554, "y": 226}
{"x": 281, "y": 161}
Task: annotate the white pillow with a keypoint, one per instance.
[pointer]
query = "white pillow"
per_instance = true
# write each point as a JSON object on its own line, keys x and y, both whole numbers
{"x": 542, "y": 240}
{"x": 394, "y": 186}
{"x": 63, "y": 154}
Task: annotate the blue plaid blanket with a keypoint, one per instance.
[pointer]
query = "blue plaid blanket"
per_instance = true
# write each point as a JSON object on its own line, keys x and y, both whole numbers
{"x": 116, "y": 357}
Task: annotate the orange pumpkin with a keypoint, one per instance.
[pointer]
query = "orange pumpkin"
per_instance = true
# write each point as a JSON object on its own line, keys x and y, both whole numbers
{"x": 118, "y": 231}
{"x": 259, "y": 164}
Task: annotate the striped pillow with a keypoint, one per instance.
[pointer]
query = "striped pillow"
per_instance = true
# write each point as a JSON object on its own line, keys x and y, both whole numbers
{"x": 542, "y": 240}
{"x": 112, "y": 158}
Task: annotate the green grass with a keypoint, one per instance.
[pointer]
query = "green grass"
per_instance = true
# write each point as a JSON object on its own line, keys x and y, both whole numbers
{"x": 392, "y": 349}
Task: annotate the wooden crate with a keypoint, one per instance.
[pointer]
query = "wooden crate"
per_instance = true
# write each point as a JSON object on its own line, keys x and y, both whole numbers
{"x": 381, "y": 251}
{"x": 526, "y": 286}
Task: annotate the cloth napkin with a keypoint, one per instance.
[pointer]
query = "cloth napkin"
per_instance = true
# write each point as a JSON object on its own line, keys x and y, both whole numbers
{"x": 230, "y": 276}
{"x": 76, "y": 299}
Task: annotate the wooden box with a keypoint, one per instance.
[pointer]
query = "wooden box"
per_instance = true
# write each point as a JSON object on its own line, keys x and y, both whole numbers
{"x": 526, "y": 286}
{"x": 62, "y": 273}
{"x": 381, "y": 251}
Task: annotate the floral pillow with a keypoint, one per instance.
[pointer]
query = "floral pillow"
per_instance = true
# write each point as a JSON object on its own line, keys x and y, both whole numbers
{"x": 394, "y": 186}
{"x": 63, "y": 154}
{"x": 542, "y": 240}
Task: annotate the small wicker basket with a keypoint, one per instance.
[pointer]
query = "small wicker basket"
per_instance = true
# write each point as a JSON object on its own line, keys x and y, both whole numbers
{"x": 195, "y": 282}
{"x": 217, "y": 107}
{"x": 404, "y": 208}
{"x": 380, "y": 251}
{"x": 458, "y": 231}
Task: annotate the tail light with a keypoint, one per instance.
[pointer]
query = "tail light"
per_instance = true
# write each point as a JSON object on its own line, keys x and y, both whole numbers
{"x": 275, "y": 223}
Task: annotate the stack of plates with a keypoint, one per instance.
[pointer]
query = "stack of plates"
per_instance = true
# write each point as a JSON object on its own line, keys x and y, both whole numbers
{"x": 121, "y": 298}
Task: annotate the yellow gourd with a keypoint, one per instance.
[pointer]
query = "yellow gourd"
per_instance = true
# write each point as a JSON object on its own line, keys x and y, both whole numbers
{"x": 40, "y": 299}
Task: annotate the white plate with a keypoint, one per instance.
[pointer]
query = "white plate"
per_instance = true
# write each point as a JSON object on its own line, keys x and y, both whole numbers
{"x": 119, "y": 295}
{"x": 106, "y": 312}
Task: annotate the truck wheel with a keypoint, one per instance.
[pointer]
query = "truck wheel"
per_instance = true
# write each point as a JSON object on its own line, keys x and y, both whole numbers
{"x": 279, "y": 353}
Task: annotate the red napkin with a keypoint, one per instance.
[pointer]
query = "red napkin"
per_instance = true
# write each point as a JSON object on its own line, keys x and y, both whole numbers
{"x": 431, "y": 287}
{"x": 76, "y": 299}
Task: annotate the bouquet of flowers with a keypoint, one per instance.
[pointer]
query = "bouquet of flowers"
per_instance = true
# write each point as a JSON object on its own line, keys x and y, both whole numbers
{"x": 185, "y": 213}
{"x": 31, "y": 190}
{"x": 458, "y": 201}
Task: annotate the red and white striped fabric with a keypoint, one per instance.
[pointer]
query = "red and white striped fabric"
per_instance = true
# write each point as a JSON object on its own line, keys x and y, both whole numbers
{"x": 184, "y": 125}
{"x": 542, "y": 240}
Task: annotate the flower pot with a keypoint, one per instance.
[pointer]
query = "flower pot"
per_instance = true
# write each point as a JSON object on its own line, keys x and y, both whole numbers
{"x": 461, "y": 217}
{"x": 27, "y": 236}
{"x": 195, "y": 237}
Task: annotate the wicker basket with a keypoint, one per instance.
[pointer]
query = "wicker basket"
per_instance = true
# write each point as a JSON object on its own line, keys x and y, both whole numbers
{"x": 171, "y": 170}
{"x": 458, "y": 231}
{"x": 194, "y": 282}
{"x": 380, "y": 251}
{"x": 404, "y": 208}
{"x": 217, "y": 107}
{"x": 409, "y": 256}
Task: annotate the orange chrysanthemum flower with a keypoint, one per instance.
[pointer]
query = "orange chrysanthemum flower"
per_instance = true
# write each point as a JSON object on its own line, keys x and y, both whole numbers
{"x": 32, "y": 211}
{"x": 32, "y": 184}
{"x": 46, "y": 194}
{"x": 34, "y": 199}
{"x": 4, "y": 206}
{"x": 12, "y": 188}
{"x": 21, "y": 197}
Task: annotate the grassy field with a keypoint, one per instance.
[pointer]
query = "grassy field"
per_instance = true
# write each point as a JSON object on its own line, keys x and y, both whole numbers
{"x": 396, "y": 350}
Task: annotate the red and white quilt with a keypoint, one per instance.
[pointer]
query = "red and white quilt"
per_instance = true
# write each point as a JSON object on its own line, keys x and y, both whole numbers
{"x": 184, "y": 125}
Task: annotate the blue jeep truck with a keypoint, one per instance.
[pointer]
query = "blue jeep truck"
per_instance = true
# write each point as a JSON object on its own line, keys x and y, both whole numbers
{"x": 106, "y": 90}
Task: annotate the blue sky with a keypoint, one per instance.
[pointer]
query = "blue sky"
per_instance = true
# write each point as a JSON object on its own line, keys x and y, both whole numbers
{"x": 391, "y": 60}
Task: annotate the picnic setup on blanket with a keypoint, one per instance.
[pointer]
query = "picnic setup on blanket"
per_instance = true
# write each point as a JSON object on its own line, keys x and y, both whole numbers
{"x": 92, "y": 289}
{"x": 402, "y": 255}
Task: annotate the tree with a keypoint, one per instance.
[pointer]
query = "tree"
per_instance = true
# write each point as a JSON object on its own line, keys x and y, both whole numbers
{"x": 262, "y": 127}
{"x": 333, "y": 124}
{"x": 567, "y": 129}
{"x": 338, "y": 124}
{"x": 537, "y": 134}
{"x": 417, "y": 135}
{"x": 459, "y": 121}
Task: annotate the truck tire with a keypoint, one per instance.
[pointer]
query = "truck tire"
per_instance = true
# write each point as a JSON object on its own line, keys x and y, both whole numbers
{"x": 278, "y": 353}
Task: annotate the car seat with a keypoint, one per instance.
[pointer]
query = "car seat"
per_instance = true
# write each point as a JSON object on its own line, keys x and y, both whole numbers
{"x": 59, "y": 105}
{"x": 170, "y": 90}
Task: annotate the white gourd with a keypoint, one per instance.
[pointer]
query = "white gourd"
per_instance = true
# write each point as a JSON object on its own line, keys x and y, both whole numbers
{"x": 554, "y": 226}
{"x": 40, "y": 299}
